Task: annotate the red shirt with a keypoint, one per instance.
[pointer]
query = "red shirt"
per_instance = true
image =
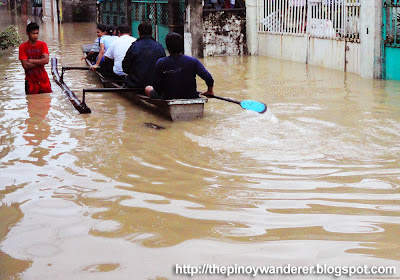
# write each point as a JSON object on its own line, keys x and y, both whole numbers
{"x": 27, "y": 51}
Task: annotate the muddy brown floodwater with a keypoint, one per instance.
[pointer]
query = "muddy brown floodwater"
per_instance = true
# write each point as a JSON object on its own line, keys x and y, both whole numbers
{"x": 314, "y": 180}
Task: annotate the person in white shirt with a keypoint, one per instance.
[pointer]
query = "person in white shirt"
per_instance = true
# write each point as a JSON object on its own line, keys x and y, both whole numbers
{"x": 112, "y": 32}
{"x": 105, "y": 42}
{"x": 94, "y": 52}
{"x": 116, "y": 52}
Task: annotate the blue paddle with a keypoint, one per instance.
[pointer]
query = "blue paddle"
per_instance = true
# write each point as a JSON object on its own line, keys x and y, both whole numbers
{"x": 246, "y": 104}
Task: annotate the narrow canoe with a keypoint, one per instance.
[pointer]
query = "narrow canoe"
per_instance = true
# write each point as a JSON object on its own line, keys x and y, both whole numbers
{"x": 175, "y": 109}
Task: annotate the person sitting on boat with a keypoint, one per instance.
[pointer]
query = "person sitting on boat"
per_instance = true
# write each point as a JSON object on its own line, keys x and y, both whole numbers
{"x": 111, "y": 32}
{"x": 174, "y": 76}
{"x": 94, "y": 52}
{"x": 34, "y": 55}
{"x": 101, "y": 34}
{"x": 106, "y": 39}
{"x": 117, "y": 52}
{"x": 141, "y": 58}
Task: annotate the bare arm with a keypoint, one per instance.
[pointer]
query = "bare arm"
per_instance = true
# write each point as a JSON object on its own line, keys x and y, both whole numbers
{"x": 26, "y": 64}
{"x": 86, "y": 55}
{"x": 208, "y": 92}
{"x": 99, "y": 57}
{"x": 30, "y": 63}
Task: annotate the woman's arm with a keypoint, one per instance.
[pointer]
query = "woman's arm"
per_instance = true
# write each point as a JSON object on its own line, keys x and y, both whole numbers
{"x": 99, "y": 57}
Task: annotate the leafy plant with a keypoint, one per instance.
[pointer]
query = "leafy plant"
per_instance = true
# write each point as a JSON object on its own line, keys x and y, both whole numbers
{"x": 9, "y": 37}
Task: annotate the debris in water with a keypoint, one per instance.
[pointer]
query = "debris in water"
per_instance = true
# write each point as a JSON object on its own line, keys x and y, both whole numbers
{"x": 152, "y": 125}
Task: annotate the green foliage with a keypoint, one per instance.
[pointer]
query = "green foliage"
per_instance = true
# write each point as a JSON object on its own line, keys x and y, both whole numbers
{"x": 9, "y": 37}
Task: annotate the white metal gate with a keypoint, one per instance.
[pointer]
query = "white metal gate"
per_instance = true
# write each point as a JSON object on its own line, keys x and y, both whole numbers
{"x": 330, "y": 19}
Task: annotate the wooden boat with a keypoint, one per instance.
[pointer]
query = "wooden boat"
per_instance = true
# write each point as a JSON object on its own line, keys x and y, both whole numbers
{"x": 175, "y": 109}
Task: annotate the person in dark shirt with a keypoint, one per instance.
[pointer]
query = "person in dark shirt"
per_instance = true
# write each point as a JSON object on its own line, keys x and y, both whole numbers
{"x": 174, "y": 76}
{"x": 141, "y": 58}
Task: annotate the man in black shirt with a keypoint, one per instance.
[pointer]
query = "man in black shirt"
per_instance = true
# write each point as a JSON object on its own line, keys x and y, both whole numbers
{"x": 175, "y": 76}
{"x": 141, "y": 58}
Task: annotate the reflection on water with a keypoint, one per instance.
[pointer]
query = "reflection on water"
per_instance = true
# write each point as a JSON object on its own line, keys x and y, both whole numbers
{"x": 38, "y": 130}
{"x": 313, "y": 180}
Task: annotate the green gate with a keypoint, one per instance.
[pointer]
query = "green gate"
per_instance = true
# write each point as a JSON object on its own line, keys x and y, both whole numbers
{"x": 391, "y": 40}
{"x": 154, "y": 11}
{"x": 158, "y": 12}
{"x": 113, "y": 12}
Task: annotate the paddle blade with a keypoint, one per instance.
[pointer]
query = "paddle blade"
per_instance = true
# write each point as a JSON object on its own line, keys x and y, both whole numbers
{"x": 254, "y": 106}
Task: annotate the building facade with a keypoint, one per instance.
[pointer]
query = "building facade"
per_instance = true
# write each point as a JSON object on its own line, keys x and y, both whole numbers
{"x": 355, "y": 36}
{"x": 338, "y": 34}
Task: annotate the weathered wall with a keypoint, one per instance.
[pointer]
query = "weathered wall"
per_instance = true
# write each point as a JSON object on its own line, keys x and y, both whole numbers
{"x": 292, "y": 48}
{"x": 224, "y": 32}
{"x": 363, "y": 58}
{"x": 327, "y": 53}
{"x": 333, "y": 54}
{"x": 353, "y": 57}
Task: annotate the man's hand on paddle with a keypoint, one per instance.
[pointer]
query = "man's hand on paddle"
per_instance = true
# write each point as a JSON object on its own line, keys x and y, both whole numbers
{"x": 208, "y": 92}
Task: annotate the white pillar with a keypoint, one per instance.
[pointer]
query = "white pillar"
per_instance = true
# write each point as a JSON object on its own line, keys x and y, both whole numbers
{"x": 251, "y": 27}
{"x": 193, "y": 30}
{"x": 186, "y": 33}
{"x": 370, "y": 38}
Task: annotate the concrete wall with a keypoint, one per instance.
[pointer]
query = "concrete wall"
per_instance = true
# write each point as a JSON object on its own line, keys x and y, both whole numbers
{"x": 353, "y": 57}
{"x": 224, "y": 32}
{"x": 284, "y": 47}
{"x": 327, "y": 53}
{"x": 333, "y": 54}
{"x": 363, "y": 58}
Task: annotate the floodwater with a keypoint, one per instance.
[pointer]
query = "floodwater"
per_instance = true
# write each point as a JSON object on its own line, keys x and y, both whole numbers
{"x": 314, "y": 180}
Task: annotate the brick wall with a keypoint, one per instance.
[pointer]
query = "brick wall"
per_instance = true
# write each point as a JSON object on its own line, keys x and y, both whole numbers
{"x": 224, "y": 32}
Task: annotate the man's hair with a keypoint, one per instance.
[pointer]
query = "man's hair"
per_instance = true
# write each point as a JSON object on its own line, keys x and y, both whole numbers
{"x": 174, "y": 42}
{"x": 145, "y": 29}
{"x": 32, "y": 26}
{"x": 123, "y": 29}
{"x": 110, "y": 29}
{"x": 102, "y": 27}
